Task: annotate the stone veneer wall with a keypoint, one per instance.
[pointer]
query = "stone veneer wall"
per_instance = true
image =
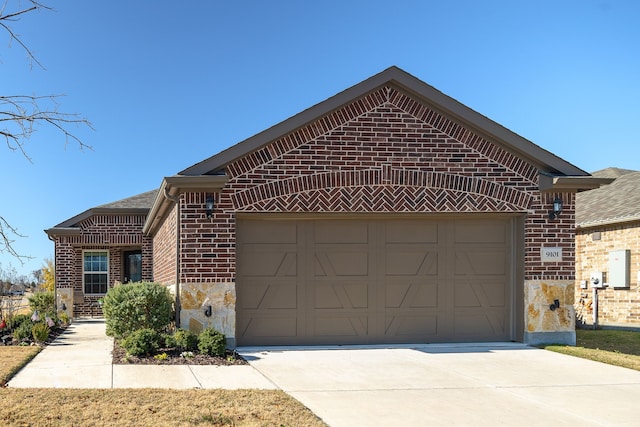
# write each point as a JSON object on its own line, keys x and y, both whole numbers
{"x": 616, "y": 307}
{"x": 385, "y": 152}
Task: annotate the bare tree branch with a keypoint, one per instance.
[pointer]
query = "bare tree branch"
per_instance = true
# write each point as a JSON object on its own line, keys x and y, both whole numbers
{"x": 6, "y": 241}
{"x": 13, "y": 17}
{"x": 20, "y": 115}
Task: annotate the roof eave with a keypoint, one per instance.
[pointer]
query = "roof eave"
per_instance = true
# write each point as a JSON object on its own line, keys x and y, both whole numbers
{"x": 548, "y": 183}
{"x": 608, "y": 221}
{"x": 173, "y": 186}
{"x": 100, "y": 211}
{"x": 63, "y": 231}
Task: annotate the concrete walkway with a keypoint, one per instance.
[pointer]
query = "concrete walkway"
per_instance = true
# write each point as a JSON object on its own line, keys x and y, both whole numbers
{"x": 81, "y": 358}
{"x": 500, "y": 384}
{"x": 491, "y": 384}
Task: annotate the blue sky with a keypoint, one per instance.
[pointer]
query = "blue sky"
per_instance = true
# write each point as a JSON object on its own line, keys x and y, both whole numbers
{"x": 167, "y": 84}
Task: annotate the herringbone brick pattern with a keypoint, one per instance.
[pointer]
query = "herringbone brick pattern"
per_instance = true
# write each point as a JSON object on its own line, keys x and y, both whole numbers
{"x": 387, "y": 152}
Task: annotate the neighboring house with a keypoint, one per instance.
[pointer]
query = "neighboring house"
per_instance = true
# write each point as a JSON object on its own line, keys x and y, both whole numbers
{"x": 389, "y": 213}
{"x": 608, "y": 250}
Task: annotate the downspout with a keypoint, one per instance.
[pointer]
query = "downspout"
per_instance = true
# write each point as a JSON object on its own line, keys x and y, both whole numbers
{"x": 176, "y": 200}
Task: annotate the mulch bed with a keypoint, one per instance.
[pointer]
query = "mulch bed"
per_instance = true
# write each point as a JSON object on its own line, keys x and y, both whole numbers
{"x": 173, "y": 358}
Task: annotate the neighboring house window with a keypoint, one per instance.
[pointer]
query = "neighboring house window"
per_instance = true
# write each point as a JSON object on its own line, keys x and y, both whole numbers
{"x": 95, "y": 272}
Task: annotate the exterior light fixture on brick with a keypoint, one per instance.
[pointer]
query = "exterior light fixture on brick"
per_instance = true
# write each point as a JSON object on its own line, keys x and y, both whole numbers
{"x": 557, "y": 208}
{"x": 209, "y": 206}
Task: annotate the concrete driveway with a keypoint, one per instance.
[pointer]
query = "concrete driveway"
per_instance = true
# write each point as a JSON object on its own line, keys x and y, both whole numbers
{"x": 451, "y": 385}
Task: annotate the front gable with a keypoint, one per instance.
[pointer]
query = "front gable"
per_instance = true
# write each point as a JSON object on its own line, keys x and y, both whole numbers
{"x": 385, "y": 152}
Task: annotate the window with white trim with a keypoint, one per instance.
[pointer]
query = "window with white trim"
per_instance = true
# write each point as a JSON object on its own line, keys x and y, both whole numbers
{"x": 95, "y": 272}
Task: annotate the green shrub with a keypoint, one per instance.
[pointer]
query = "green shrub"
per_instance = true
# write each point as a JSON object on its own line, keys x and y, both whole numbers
{"x": 17, "y": 320}
{"x": 128, "y": 308}
{"x": 169, "y": 340}
{"x": 212, "y": 342}
{"x": 141, "y": 342}
{"x": 23, "y": 331}
{"x": 43, "y": 302}
{"x": 40, "y": 332}
{"x": 185, "y": 339}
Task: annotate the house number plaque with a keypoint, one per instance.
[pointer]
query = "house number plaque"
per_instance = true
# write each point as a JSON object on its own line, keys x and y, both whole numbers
{"x": 551, "y": 254}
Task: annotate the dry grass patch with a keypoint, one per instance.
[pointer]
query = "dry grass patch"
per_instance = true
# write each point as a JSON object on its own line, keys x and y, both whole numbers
{"x": 145, "y": 407}
{"x": 13, "y": 358}
{"x": 620, "y": 348}
{"x": 151, "y": 407}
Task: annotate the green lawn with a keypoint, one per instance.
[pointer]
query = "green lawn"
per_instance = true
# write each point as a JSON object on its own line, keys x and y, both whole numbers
{"x": 620, "y": 348}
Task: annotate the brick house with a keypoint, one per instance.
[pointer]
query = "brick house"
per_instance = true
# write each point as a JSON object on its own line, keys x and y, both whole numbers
{"x": 608, "y": 249}
{"x": 389, "y": 213}
{"x": 98, "y": 248}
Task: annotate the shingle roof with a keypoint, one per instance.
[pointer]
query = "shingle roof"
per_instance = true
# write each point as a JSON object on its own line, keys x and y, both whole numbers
{"x": 140, "y": 201}
{"x": 609, "y": 204}
{"x": 139, "y": 204}
{"x": 611, "y": 172}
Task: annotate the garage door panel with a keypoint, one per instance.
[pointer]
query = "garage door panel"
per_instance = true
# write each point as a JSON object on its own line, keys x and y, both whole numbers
{"x": 275, "y": 233}
{"x": 479, "y": 262}
{"x": 269, "y": 262}
{"x": 340, "y": 232}
{"x": 401, "y": 327}
{"x": 342, "y": 263}
{"x": 269, "y": 328}
{"x": 480, "y": 294}
{"x": 410, "y": 261}
{"x": 346, "y": 295}
{"x": 268, "y": 295}
{"x": 340, "y": 326}
{"x": 480, "y": 325}
{"x": 411, "y": 231}
{"x": 480, "y": 231}
{"x": 409, "y": 293}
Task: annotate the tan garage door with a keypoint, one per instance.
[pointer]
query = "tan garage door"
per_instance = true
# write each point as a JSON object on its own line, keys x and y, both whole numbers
{"x": 355, "y": 281}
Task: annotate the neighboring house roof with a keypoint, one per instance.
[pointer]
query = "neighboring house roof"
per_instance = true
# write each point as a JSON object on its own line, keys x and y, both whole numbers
{"x": 394, "y": 76}
{"x": 139, "y": 204}
{"x": 614, "y": 203}
{"x": 611, "y": 173}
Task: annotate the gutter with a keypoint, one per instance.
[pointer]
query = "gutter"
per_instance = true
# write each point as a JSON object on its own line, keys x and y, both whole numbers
{"x": 548, "y": 182}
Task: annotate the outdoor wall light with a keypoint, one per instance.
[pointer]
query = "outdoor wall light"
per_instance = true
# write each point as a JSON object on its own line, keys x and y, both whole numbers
{"x": 207, "y": 310}
{"x": 64, "y": 307}
{"x": 554, "y": 305}
{"x": 209, "y": 206}
{"x": 557, "y": 208}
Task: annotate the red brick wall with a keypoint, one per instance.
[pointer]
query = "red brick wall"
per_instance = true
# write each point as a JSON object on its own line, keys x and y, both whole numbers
{"x": 383, "y": 153}
{"x": 113, "y": 233}
{"x": 164, "y": 250}
{"x": 615, "y": 306}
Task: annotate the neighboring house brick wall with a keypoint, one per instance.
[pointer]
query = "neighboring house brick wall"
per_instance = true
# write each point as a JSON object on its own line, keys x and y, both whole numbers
{"x": 616, "y": 306}
{"x": 386, "y": 153}
{"x": 113, "y": 233}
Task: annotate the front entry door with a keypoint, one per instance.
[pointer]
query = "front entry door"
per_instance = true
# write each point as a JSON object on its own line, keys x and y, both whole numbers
{"x": 132, "y": 266}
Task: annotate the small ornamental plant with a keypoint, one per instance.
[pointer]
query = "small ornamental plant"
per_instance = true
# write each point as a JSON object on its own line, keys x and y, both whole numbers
{"x": 40, "y": 332}
{"x": 212, "y": 342}
{"x": 185, "y": 340}
{"x": 141, "y": 342}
